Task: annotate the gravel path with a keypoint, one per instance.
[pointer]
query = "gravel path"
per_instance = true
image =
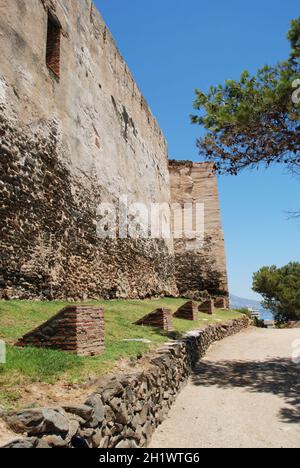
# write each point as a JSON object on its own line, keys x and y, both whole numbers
{"x": 245, "y": 393}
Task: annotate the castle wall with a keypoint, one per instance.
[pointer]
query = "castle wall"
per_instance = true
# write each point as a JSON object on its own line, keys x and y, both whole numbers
{"x": 200, "y": 261}
{"x": 66, "y": 145}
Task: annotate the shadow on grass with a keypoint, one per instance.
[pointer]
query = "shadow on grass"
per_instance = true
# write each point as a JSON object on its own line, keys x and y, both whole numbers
{"x": 280, "y": 377}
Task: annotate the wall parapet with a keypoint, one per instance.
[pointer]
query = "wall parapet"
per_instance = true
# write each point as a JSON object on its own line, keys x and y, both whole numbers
{"x": 126, "y": 412}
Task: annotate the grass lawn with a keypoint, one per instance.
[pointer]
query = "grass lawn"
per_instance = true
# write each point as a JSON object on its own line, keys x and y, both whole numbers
{"x": 27, "y": 366}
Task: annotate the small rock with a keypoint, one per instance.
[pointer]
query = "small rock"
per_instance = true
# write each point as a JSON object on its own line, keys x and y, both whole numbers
{"x": 117, "y": 429}
{"x": 148, "y": 430}
{"x": 107, "y": 431}
{"x": 125, "y": 444}
{"x": 97, "y": 439}
{"x": 83, "y": 411}
{"x": 86, "y": 433}
{"x": 55, "y": 422}
{"x": 143, "y": 389}
{"x": 55, "y": 441}
{"x": 144, "y": 414}
{"x": 114, "y": 441}
{"x": 42, "y": 445}
{"x": 23, "y": 444}
{"x": 25, "y": 421}
{"x": 122, "y": 416}
{"x": 136, "y": 421}
{"x": 109, "y": 414}
{"x": 115, "y": 404}
{"x": 134, "y": 434}
{"x": 104, "y": 442}
{"x": 46, "y": 421}
{"x": 73, "y": 429}
{"x": 95, "y": 402}
{"x": 113, "y": 389}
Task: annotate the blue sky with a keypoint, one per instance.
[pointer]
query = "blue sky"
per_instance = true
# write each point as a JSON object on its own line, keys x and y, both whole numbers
{"x": 173, "y": 47}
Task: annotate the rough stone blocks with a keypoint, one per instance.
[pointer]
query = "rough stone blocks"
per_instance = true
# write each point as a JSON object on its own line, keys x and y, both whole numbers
{"x": 76, "y": 329}
{"x": 160, "y": 318}
{"x": 188, "y": 311}
{"x": 207, "y": 307}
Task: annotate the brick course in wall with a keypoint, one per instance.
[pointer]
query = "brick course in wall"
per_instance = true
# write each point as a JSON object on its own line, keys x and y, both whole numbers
{"x": 75, "y": 329}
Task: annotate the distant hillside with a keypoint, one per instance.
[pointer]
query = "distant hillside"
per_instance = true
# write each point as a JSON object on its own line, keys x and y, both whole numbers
{"x": 237, "y": 302}
{"x": 240, "y": 302}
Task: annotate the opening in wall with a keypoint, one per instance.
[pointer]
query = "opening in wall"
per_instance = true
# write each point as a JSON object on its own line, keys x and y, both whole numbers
{"x": 53, "y": 44}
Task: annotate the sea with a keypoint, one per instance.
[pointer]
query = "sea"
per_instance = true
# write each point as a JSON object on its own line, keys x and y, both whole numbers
{"x": 266, "y": 314}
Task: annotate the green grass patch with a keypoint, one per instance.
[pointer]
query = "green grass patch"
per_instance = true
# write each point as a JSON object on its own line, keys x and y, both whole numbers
{"x": 28, "y": 365}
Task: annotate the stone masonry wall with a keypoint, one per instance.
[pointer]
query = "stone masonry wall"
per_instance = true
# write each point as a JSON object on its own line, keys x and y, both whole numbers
{"x": 125, "y": 413}
{"x": 66, "y": 145}
{"x": 199, "y": 266}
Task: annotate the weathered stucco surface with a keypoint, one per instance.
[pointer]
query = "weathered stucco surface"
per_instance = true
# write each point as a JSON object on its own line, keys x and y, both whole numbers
{"x": 67, "y": 145}
{"x": 199, "y": 265}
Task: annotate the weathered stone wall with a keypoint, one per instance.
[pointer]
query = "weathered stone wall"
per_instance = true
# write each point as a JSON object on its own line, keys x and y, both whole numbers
{"x": 199, "y": 266}
{"x": 66, "y": 145}
{"x": 75, "y": 329}
{"x": 125, "y": 413}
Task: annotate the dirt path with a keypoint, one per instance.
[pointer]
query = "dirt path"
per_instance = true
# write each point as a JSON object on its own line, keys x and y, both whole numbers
{"x": 245, "y": 393}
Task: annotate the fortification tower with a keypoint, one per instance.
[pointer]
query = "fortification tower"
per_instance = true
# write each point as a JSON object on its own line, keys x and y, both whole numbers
{"x": 200, "y": 263}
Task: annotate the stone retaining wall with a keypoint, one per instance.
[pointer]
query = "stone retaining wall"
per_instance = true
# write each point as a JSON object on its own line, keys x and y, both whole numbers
{"x": 126, "y": 412}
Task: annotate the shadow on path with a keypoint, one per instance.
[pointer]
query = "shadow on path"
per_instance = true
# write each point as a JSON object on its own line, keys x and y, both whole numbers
{"x": 280, "y": 377}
